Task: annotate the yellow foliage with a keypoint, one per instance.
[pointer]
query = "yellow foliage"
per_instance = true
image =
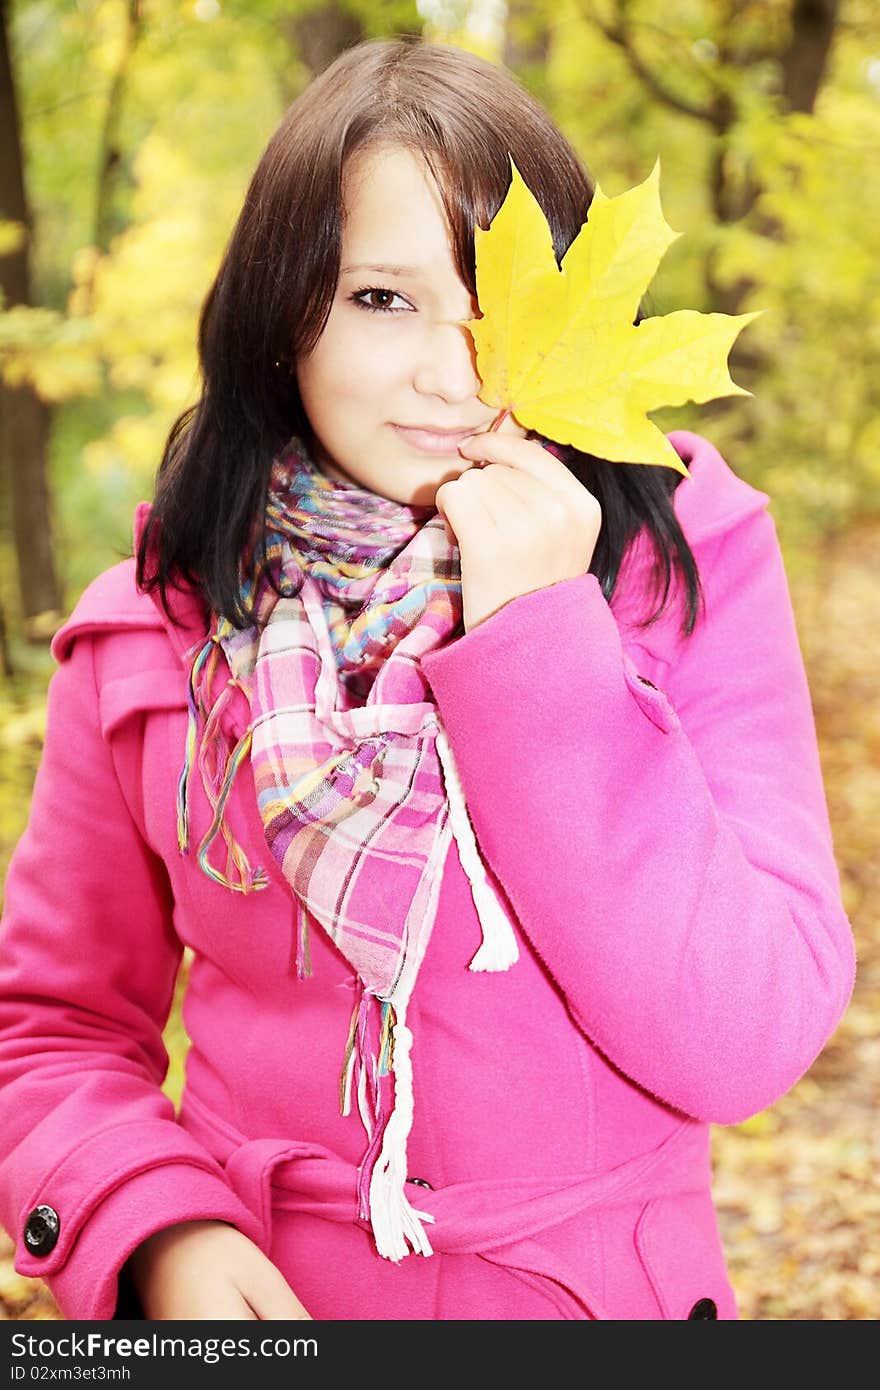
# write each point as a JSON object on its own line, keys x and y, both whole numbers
{"x": 12, "y": 235}
{"x": 132, "y": 446}
{"x": 54, "y": 355}
{"x": 556, "y": 345}
{"x": 481, "y": 41}
{"x": 148, "y": 290}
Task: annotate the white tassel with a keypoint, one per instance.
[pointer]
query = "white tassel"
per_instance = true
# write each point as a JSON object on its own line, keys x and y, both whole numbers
{"x": 393, "y": 1220}
{"x": 499, "y": 949}
{"x": 346, "y": 1085}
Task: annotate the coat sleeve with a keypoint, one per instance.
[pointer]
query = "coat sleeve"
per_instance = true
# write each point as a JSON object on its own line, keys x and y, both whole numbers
{"x": 667, "y": 851}
{"x": 88, "y": 962}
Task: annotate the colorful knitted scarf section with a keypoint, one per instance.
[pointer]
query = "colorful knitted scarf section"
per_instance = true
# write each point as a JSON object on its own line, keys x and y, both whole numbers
{"x": 355, "y": 779}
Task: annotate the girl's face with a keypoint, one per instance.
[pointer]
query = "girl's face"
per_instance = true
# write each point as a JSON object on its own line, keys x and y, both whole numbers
{"x": 391, "y": 386}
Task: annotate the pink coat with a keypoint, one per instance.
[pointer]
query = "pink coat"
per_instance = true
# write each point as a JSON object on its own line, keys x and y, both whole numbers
{"x": 654, "y": 810}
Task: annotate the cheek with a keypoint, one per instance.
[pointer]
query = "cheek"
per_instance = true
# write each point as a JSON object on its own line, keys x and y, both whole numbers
{"x": 324, "y": 371}
{"x": 374, "y": 354}
{"x": 353, "y": 363}
{"x": 362, "y": 352}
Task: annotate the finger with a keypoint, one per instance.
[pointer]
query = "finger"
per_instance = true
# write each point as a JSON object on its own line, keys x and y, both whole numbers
{"x": 492, "y": 476}
{"x": 269, "y": 1294}
{"x": 528, "y": 455}
{"x": 227, "y": 1304}
{"x": 282, "y": 1310}
{"x": 467, "y": 503}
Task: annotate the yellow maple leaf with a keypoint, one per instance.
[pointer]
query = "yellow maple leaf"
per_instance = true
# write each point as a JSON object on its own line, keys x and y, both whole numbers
{"x": 556, "y": 344}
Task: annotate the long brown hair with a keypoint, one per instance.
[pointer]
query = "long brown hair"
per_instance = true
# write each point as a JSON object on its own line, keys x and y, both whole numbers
{"x": 273, "y": 292}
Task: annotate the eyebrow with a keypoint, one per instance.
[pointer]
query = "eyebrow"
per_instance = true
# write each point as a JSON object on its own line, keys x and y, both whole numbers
{"x": 383, "y": 269}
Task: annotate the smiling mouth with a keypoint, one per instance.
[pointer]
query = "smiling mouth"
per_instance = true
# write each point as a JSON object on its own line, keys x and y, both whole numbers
{"x": 432, "y": 441}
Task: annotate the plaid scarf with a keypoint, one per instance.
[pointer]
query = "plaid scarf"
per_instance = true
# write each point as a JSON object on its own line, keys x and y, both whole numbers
{"x": 354, "y": 776}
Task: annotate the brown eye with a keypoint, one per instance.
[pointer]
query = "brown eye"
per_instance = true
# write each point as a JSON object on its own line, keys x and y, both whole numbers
{"x": 380, "y": 301}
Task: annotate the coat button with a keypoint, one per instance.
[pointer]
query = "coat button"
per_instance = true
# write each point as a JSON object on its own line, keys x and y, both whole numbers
{"x": 41, "y": 1230}
{"x": 421, "y": 1182}
{"x": 704, "y": 1308}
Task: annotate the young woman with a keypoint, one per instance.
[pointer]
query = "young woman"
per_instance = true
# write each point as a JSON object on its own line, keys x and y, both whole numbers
{"x": 477, "y": 775}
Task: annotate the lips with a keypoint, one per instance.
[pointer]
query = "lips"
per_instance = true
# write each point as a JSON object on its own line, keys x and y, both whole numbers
{"x": 432, "y": 441}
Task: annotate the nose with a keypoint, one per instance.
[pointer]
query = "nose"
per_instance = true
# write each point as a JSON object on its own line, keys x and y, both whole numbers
{"x": 446, "y": 365}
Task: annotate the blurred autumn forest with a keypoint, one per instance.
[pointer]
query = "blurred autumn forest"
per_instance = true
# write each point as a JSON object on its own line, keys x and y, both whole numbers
{"x": 128, "y": 132}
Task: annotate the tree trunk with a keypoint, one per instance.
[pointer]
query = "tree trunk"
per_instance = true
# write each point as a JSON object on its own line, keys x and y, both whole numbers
{"x": 111, "y": 155}
{"x": 803, "y": 65}
{"x": 24, "y": 418}
{"x": 526, "y": 39}
{"x": 806, "y": 61}
{"x": 322, "y": 34}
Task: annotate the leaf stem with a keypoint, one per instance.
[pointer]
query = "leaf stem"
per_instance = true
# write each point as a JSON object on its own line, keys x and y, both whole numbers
{"x": 499, "y": 421}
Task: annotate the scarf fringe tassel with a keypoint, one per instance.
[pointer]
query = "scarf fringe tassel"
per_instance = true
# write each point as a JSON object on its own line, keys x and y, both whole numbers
{"x": 499, "y": 949}
{"x": 367, "y": 1070}
{"x": 218, "y": 773}
{"x": 395, "y": 1222}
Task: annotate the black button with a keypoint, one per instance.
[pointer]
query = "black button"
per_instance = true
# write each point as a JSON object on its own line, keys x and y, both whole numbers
{"x": 41, "y": 1230}
{"x": 705, "y": 1308}
{"x": 421, "y": 1182}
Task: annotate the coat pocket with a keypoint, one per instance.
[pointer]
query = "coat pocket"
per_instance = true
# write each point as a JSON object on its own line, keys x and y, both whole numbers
{"x": 653, "y": 702}
{"x": 679, "y": 1245}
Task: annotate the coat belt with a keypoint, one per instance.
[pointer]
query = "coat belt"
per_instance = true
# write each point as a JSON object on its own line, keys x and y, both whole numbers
{"x": 496, "y": 1218}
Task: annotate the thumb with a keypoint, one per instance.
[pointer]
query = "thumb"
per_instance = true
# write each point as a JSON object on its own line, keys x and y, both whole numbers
{"x": 271, "y": 1297}
{"x": 279, "y": 1305}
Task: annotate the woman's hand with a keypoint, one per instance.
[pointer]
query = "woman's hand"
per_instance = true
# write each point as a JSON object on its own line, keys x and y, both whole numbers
{"x": 520, "y": 519}
{"x": 209, "y": 1270}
